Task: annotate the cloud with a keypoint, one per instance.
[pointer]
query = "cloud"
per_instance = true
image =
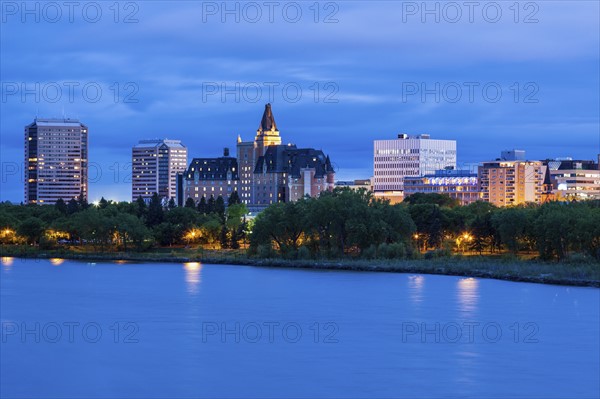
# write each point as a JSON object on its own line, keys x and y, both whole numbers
{"x": 171, "y": 55}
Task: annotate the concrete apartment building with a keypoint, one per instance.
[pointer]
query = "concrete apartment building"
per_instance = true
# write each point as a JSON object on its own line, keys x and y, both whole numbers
{"x": 154, "y": 167}
{"x": 267, "y": 171}
{"x": 56, "y": 159}
{"x": 511, "y": 182}
{"x": 394, "y": 160}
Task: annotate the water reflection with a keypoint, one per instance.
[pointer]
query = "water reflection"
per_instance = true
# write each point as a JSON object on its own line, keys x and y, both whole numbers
{"x": 466, "y": 368}
{"x": 415, "y": 288}
{"x": 192, "y": 276}
{"x": 7, "y": 261}
{"x": 56, "y": 261}
{"x": 468, "y": 294}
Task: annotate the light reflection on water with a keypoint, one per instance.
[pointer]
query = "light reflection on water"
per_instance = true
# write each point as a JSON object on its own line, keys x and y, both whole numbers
{"x": 7, "y": 260}
{"x": 468, "y": 294}
{"x": 57, "y": 261}
{"x": 415, "y": 288}
{"x": 192, "y": 276}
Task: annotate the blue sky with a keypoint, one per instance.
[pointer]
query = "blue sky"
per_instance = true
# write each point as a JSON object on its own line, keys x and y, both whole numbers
{"x": 162, "y": 68}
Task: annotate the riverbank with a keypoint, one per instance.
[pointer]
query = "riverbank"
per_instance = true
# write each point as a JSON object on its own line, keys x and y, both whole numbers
{"x": 496, "y": 267}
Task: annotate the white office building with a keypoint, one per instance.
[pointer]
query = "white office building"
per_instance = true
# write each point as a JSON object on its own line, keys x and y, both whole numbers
{"x": 56, "y": 161}
{"x": 155, "y": 164}
{"x": 409, "y": 156}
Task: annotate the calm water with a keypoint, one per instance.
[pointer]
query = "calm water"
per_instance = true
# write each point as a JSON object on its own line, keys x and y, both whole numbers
{"x": 72, "y": 329}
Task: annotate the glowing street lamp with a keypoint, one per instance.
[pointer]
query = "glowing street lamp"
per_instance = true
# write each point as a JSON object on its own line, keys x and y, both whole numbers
{"x": 466, "y": 237}
{"x": 192, "y": 235}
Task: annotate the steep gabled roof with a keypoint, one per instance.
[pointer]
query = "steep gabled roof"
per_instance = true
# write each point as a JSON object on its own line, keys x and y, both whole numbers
{"x": 289, "y": 159}
{"x": 212, "y": 169}
{"x": 268, "y": 121}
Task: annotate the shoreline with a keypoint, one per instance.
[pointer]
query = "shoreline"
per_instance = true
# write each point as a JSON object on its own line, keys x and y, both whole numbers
{"x": 482, "y": 267}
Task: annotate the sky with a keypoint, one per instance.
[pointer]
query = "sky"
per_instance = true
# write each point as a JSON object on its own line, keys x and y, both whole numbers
{"x": 491, "y": 75}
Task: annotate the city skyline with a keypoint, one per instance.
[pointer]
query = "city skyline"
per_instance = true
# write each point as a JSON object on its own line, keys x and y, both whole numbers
{"x": 201, "y": 79}
{"x": 130, "y": 178}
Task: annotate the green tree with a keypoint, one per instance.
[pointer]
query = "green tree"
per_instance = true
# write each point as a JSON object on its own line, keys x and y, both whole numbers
{"x": 82, "y": 201}
{"x": 171, "y": 204}
{"x": 235, "y": 223}
{"x": 131, "y": 230}
{"x": 281, "y": 223}
{"x": 430, "y": 222}
{"x": 165, "y": 234}
{"x": 189, "y": 203}
{"x": 155, "y": 214}
{"x": 234, "y": 199}
{"x": 32, "y": 229}
{"x": 432, "y": 199}
{"x": 73, "y": 206}
{"x": 202, "y": 206}
{"x": 96, "y": 226}
{"x": 210, "y": 205}
{"x": 181, "y": 220}
{"x": 103, "y": 203}
{"x": 587, "y": 230}
{"x": 211, "y": 230}
{"x": 142, "y": 208}
{"x": 61, "y": 206}
{"x": 223, "y": 237}
{"x": 512, "y": 225}
{"x": 480, "y": 229}
{"x": 219, "y": 207}
{"x": 554, "y": 227}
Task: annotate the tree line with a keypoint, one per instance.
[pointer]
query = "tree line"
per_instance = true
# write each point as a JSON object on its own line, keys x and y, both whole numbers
{"x": 340, "y": 223}
{"x": 124, "y": 226}
{"x": 346, "y": 222}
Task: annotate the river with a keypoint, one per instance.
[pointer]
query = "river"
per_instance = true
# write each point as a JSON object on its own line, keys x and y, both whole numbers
{"x": 78, "y": 329}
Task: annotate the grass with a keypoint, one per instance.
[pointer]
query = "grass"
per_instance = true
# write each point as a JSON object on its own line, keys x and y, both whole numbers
{"x": 503, "y": 267}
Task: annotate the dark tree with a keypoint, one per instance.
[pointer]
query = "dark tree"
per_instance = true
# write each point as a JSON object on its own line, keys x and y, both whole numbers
{"x": 220, "y": 207}
{"x": 189, "y": 203}
{"x": 32, "y": 228}
{"x": 223, "y": 237}
{"x": 103, "y": 203}
{"x": 141, "y": 207}
{"x": 202, "y": 206}
{"x": 234, "y": 198}
{"x": 155, "y": 211}
{"x": 210, "y": 206}
{"x": 480, "y": 228}
{"x": 430, "y": 222}
{"x": 61, "y": 206}
{"x": 73, "y": 206}
{"x": 83, "y": 204}
{"x": 237, "y": 234}
{"x": 432, "y": 198}
{"x": 171, "y": 204}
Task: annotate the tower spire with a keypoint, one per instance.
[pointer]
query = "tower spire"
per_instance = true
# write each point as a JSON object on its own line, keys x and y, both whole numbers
{"x": 267, "y": 133}
{"x": 268, "y": 122}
